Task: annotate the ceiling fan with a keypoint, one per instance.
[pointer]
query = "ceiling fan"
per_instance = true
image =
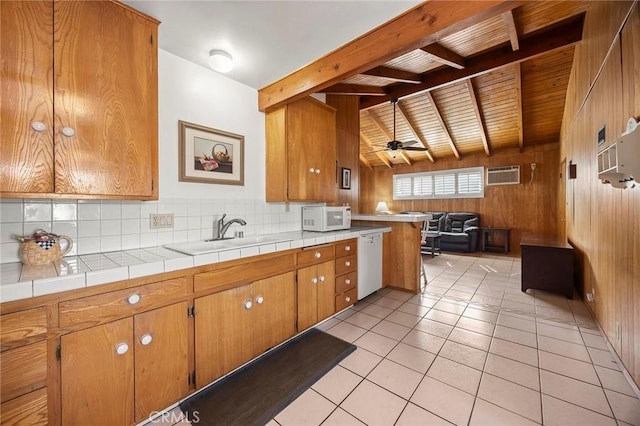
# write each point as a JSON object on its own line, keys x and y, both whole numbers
{"x": 395, "y": 144}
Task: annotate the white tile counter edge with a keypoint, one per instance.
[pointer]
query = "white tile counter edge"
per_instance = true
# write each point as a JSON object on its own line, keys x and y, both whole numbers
{"x": 76, "y": 272}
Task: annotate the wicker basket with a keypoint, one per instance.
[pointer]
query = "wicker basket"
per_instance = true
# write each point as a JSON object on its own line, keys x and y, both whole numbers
{"x": 32, "y": 254}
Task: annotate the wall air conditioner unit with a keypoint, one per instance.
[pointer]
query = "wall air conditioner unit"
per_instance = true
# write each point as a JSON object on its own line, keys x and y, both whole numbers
{"x": 619, "y": 163}
{"x": 509, "y": 175}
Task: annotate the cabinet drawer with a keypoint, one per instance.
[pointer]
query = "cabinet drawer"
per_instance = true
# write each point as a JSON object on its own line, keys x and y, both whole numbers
{"x": 346, "y": 299}
{"x": 110, "y": 306}
{"x": 346, "y": 248}
{"x": 346, "y": 282}
{"x": 347, "y": 264}
{"x": 315, "y": 255}
{"x": 243, "y": 273}
{"x": 30, "y": 409}
{"x": 24, "y": 327}
{"x": 23, "y": 370}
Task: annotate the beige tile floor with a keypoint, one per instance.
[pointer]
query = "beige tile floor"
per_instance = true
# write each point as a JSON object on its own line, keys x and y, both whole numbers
{"x": 471, "y": 349}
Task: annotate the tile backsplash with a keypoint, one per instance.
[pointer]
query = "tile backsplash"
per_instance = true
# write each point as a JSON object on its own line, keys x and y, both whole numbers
{"x": 102, "y": 226}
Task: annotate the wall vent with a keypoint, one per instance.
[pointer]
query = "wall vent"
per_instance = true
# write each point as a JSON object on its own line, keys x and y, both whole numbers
{"x": 509, "y": 175}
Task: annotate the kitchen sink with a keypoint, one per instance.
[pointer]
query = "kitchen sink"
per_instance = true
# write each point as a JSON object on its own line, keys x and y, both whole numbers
{"x": 210, "y": 246}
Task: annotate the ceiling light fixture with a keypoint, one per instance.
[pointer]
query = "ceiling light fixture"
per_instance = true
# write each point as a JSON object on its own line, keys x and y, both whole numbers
{"x": 220, "y": 60}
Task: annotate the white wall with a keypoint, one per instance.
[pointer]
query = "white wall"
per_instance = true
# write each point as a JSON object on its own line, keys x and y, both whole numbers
{"x": 198, "y": 95}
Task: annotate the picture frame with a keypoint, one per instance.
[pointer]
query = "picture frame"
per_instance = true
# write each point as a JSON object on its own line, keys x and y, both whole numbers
{"x": 345, "y": 182}
{"x": 208, "y": 155}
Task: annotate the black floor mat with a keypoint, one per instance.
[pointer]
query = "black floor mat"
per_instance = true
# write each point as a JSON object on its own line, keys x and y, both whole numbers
{"x": 254, "y": 394}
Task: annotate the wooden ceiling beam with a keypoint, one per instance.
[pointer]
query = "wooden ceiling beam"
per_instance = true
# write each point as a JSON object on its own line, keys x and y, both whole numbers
{"x": 403, "y": 114}
{"x": 476, "y": 110}
{"x": 443, "y": 125}
{"x": 367, "y": 142}
{"x": 366, "y": 162}
{"x": 420, "y": 26}
{"x": 354, "y": 90}
{"x": 404, "y": 157}
{"x": 445, "y": 56}
{"x": 510, "y": 22}
{"x": 380, "y": 125}
{"x": 557, "y": 37}
{"x": 518, "y": 85}
{"x": 400, "y": 76}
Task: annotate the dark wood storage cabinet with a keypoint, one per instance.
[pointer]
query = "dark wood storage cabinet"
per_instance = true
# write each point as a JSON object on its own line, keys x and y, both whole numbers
{"x": 547, "y": 264}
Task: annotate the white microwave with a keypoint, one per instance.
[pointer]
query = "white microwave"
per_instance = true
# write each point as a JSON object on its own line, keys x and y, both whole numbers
{"x": 325, "y": 218}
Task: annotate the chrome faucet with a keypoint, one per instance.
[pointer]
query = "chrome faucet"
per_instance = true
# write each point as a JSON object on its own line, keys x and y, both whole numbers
{"x": 222, "y": 227}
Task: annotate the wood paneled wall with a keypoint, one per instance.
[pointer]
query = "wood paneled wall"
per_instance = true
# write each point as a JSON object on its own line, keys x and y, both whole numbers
{"x": 528, "y": 207}
{"x": 347, "y": 147}
{"x": 603, "y": 223}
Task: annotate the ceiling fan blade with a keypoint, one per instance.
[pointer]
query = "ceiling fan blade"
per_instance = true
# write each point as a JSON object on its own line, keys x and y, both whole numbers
{"x": 414, "y": 148}
{"x": 413, "y": 142}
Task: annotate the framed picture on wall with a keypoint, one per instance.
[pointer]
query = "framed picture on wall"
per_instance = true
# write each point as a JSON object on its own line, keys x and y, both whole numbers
{"x": 345, "y": 182}
{"x": 209, "y": 155}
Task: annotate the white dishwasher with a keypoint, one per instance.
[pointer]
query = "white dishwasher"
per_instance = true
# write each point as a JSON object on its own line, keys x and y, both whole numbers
{"x": 369, "y": 263}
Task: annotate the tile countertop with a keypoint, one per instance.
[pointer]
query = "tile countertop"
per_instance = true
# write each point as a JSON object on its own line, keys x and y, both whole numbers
{"x": 18, "y": 281}
{"x": 400, "y": 217}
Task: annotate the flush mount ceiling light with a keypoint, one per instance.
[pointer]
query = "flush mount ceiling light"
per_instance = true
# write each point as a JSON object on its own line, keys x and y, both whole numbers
{"x": 220, "y": 60}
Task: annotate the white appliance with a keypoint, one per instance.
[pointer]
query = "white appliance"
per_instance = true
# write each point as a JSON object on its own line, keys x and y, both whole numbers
{"x": 369, "y": 263}
{"x": 325, "y": 218}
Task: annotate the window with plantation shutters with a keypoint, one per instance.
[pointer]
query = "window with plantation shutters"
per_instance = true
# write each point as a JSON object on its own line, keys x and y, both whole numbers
{"x": 470, "y": 182}
{"x": 401, "y": 187}
{"x": 423, "y": 186}
{"x": 455, "y": 183}
{"x": 445, "y": 184}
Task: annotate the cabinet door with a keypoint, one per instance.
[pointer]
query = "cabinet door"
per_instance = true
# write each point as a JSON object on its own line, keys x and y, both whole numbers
{"x": 224, "y": 338}
{"x": 311, "y": 145}
{"x": 106, "y": 91}
{"x": 26, "y": 48}
{"x": 307, "y": 297}
{"x": 326, "y": 290}
{"x": 274, "y": 314}
{"x": 97, "y": 382}
{"x": 162, "y": 367}
{"x": 326, "y": 183}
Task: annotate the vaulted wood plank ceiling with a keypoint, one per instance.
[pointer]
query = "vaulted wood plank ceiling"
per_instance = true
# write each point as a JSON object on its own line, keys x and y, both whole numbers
{"x": 500, "y": 83}
{"x": 469, "y": 77}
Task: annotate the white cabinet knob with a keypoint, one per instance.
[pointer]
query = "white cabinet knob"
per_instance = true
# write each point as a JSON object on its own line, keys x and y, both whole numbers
{"x": 347, "y": 281}
{"x": 317, "y": 171}
{"x": 38, "y": 126}
{"x": 347, "y": 248}
{"x": 347, "y": 299}
{"x": 347, "y": 263}
{"x": 122, "y": 348}
{"x": 133, "y": 299}
{"x": 146, "y": 339}
{"x": 259, "y": 300}
{"x": 248, "y": 304}
{"x": 318, "y": 255}
{"x": 312, "y": 170}
{"x": 314, "y": 280}
{"x": 321, "y": 278}
{"x": 68, "y": 131}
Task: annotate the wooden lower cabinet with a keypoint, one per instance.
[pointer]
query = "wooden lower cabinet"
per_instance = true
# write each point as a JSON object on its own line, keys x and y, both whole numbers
{"x": 234, "y": 326}
{"x": 29, "y": 409}
{"x": 316, "y": 294}
{"x": 101, "y": 366}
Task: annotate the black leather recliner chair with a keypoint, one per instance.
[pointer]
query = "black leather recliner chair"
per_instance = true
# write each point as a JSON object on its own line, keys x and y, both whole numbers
{"x": 458, "y": 231}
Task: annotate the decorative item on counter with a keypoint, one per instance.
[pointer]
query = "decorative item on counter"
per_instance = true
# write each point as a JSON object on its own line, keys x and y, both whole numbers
{"x": 42, "y": 247}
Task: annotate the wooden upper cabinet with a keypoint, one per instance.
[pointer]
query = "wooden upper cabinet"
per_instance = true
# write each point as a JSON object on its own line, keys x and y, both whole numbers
{"x": 26, "y": 52}
{"x": 90, "y": 78}
{"x": 301, "y": 152}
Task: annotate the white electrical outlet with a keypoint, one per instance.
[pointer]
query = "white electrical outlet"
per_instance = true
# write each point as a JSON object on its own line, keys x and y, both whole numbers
{"x": 160, "y": 220}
